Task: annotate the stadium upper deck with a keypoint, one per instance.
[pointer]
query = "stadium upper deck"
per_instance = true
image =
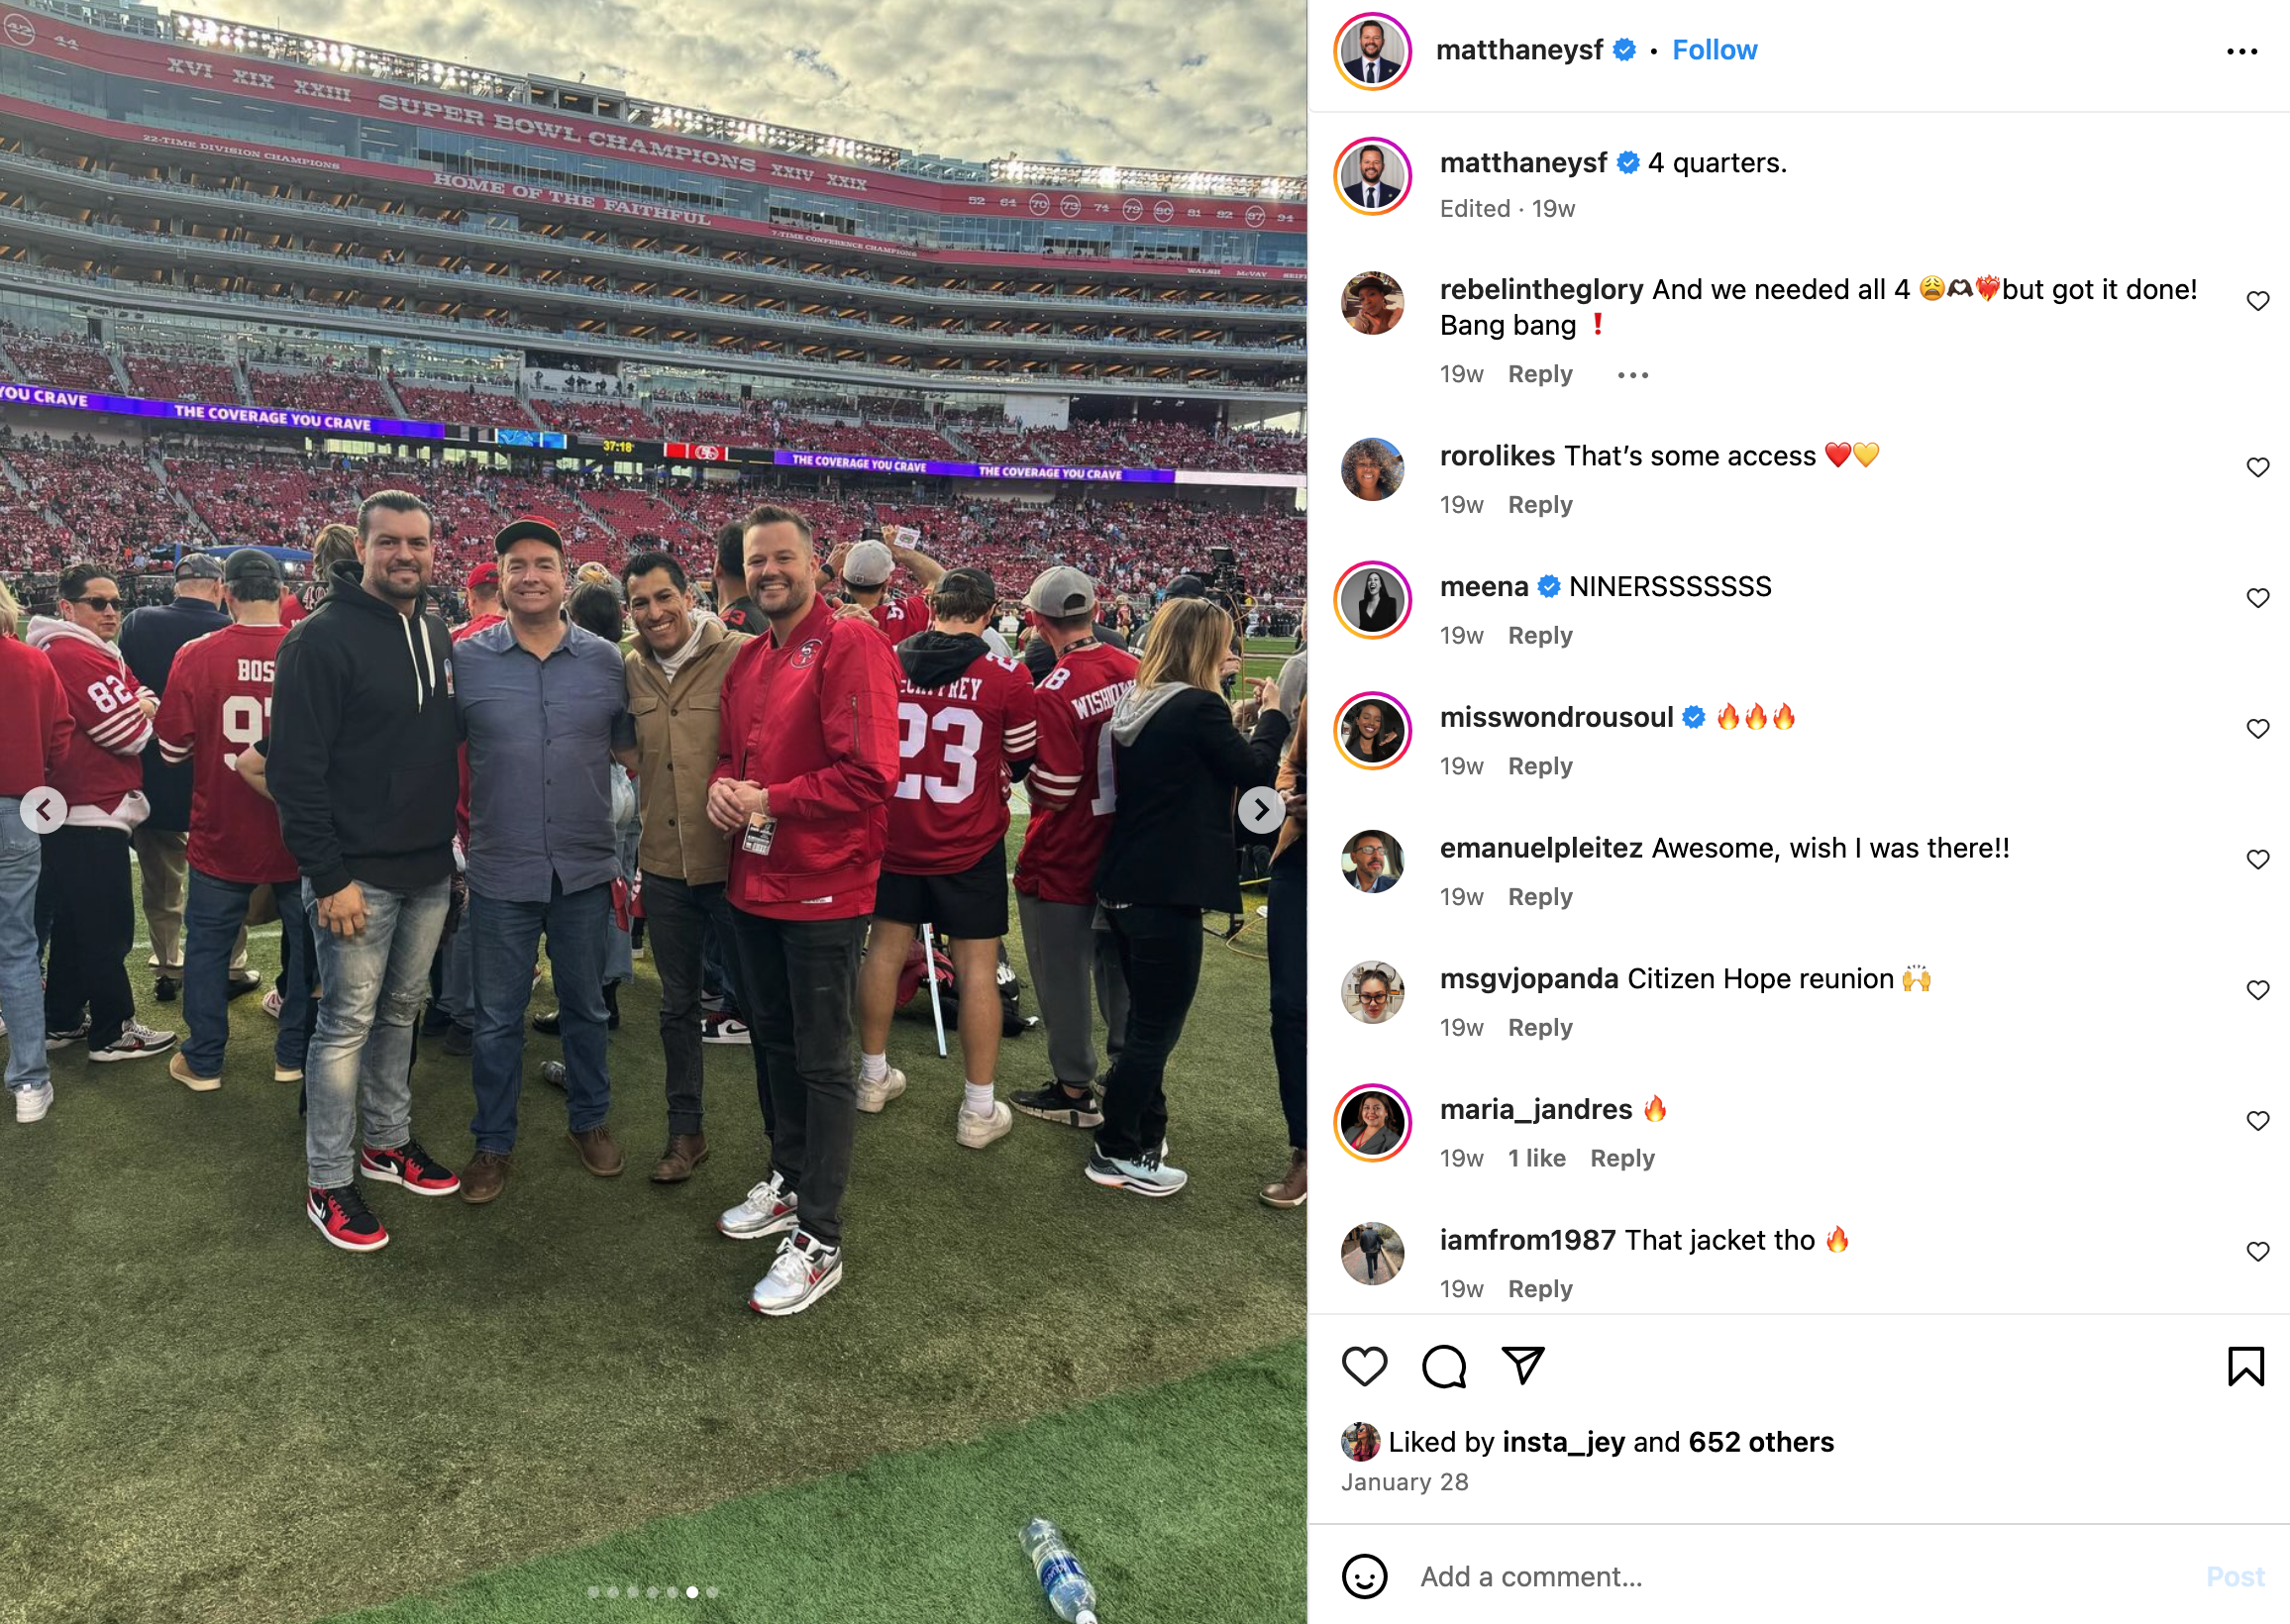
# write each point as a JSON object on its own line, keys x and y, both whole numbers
{"x": 167, "y": 161}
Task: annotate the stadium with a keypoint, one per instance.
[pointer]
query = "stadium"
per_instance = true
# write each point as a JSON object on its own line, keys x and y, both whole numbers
{"x": 247, "y": 274}
{"x": 250, "y": 277}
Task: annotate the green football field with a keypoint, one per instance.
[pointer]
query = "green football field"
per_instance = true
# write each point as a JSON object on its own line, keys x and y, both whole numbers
{"x": 553, "y": 1406}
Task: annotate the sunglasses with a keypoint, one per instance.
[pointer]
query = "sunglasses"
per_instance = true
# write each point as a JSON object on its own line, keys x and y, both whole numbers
{"x": 100, "y": 604}
{"x": 1374, "y": 997}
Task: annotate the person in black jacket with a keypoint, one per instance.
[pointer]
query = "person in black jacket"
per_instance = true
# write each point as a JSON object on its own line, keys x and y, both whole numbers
{"x": 1178, "y": 760}
{"x": 148, "y": 640}
{"x": 364, "y": 765}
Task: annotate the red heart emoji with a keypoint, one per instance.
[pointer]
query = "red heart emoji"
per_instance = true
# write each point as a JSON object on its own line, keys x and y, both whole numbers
{"x": 1988, "y": 286}
{"x": 1839, "y": 453}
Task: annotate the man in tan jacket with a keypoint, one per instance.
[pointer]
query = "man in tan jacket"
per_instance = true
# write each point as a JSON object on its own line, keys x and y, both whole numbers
{"x": 675, "y": 675}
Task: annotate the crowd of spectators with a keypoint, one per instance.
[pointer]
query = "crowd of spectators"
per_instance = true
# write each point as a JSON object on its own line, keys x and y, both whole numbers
{"x": 320, "y": 389}
{"x": 430, "y": 403}
{"x": 181, "y": 374}
{"x": 66, "y": 361}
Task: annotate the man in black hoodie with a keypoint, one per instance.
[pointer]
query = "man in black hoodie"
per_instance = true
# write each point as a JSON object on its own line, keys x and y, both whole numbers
{"x": 364, "y": 767}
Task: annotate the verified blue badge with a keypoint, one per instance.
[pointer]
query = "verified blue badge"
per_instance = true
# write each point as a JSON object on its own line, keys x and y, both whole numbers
{"x": 1625, "y": 49}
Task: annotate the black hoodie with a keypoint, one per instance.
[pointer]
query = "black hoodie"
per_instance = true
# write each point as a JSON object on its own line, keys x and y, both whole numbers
{"x": 363, "y": 758}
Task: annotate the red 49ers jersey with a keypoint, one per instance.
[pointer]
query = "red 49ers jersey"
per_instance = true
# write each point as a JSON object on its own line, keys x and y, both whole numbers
{"x": 956, "y": 744}
{"x": 901, "y": 619}
{"x": 218, "y": 703}
{"x": 1071, "y": 784}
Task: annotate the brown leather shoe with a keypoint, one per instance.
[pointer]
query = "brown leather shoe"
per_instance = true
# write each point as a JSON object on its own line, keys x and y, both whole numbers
{"x": 597, "y": 1152}
{"x": 483, "y": 1180}
{"x": 1290, "y": 1191}
{"x": 685, "y": 1153}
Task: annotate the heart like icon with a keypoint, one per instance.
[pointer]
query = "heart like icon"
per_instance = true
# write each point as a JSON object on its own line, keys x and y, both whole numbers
{"x": 2257, "y": 596}
{"x": 2258, "y": 726}
{"x": 2259, "y": 989}
{"x": 2259, "y": 299}
{"x": 1838, "y": 450}
{"x": 1988, "y": 286}
{"x": 2257, "y": 1251}
{"x": 2258, "y": 1120}
{"x": 2257, "y": 856}
{"x": 1865, "y": 450}
{"x": 2257, "y": 467}
{"x": 1362, "y": 1369}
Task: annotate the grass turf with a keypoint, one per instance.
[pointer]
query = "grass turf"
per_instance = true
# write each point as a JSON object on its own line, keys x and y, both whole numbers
{"x": 213, "y": 1415}
{"x": 1157, "y": 1489}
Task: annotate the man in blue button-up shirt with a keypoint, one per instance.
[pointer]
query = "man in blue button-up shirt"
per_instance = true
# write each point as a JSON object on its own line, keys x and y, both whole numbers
{"x": 543, "y": 706}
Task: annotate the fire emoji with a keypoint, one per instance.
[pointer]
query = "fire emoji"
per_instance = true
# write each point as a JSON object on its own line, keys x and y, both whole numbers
{"x": 1728, "y": 718}
{"x": 1655, "y": 1109}
{"x": 1836, "y": 1240}
{"x": 1783, "y": 720}
{"x": 1756, "y": 717}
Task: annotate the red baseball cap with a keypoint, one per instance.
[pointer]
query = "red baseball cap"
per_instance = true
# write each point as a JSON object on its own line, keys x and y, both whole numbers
{"x": 485, "y": 574}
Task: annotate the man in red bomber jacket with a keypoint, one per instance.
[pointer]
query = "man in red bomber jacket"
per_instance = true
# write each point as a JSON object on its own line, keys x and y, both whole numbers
{"x": 84, "y": 873}
{"x": 810, "y": 757}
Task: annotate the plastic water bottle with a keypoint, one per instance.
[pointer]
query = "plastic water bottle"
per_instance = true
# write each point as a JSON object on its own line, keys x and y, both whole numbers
{"x": 1063, "y": 1583}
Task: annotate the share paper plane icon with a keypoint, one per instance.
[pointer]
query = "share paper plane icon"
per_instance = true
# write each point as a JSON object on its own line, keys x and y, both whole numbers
{"x": 1526, "y": 1359}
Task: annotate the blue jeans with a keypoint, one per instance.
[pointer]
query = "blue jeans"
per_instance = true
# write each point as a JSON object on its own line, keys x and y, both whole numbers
{"x": 505, "y": 937}
{"x": 361, "y": 1054}
{"x": 214, "y": 912}
{"x": 22, "y": 1004}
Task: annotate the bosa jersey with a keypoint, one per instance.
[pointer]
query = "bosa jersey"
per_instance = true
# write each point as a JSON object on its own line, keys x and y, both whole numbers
{"x": 218, "y": 703}
{"x": 1071, "y": 784}
{"x": 957, "y": 745}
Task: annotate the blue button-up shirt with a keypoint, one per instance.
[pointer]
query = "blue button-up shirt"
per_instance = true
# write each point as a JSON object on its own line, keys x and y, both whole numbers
{"x": 541, "y": 736}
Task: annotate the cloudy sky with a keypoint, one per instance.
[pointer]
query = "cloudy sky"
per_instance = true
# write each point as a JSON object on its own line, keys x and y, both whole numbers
{"x": 1206, "y": 84}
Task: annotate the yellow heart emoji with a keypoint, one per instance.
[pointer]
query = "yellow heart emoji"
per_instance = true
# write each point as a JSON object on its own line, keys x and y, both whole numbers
{"x": 1865, "y": 450}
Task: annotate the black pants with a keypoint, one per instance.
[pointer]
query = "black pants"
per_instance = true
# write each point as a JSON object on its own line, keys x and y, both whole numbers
{"x": 1160, "y": 961}
{"x": 798, "y": 978}
{"x": 87, "y": 887}
{"x": 677, "y": 918}
{"x": 1284, "y": 947}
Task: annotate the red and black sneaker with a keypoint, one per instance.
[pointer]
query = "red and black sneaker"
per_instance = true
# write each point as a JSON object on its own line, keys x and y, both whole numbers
{"x": 411, "y": 1165}
{"x": 342, "y": 1217}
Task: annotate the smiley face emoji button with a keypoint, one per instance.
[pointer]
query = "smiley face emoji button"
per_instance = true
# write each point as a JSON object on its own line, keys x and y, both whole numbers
{"x": 1365, "y": 1577}
{"x": 1933, "y": 287}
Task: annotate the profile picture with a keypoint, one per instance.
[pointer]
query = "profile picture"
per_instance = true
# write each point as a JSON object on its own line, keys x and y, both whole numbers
{"x": 1372, "y": 862}
{"x": 1373, "y": 49}
{"x": 1373, "y": 176}
{"x": 1362, "y": 1442}
{"x": 1372, "y": 731}
{"x": 1372, "y": 599}
{"x": 1373, "y": 1254}
{"x": 1372, "y": 1123}
{"x": 1373, "y": 303}
{"x": 1373, "y": 992}
{"x": 1373, "y": 469}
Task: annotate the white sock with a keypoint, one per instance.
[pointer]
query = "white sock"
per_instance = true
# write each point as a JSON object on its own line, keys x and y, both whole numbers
{"x": 873, "y": 1067}
{"x": 978, "y": 1098}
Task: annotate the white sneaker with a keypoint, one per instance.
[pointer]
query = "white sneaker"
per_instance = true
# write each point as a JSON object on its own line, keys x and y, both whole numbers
{"x": 804, "y": 1272}
{"x": 274, "y": 1004}
{"x": 32, "y": 1103}
{"x": 975, "y": 1132}
{"x": 716, "y": 1026}
{"x": 134, "y": 1042}
{"x": 770, "y": 1209}
{"x": 873, "y": 1096}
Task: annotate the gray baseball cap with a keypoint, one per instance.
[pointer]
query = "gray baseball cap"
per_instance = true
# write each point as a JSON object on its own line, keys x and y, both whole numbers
{"x": 198, "y": 566}
{"x": 867, "y": 564}
{"x": 1062, "y": 592}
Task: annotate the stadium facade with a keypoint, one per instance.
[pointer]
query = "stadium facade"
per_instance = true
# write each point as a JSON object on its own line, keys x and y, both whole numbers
{"x": 245, "y": 233}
